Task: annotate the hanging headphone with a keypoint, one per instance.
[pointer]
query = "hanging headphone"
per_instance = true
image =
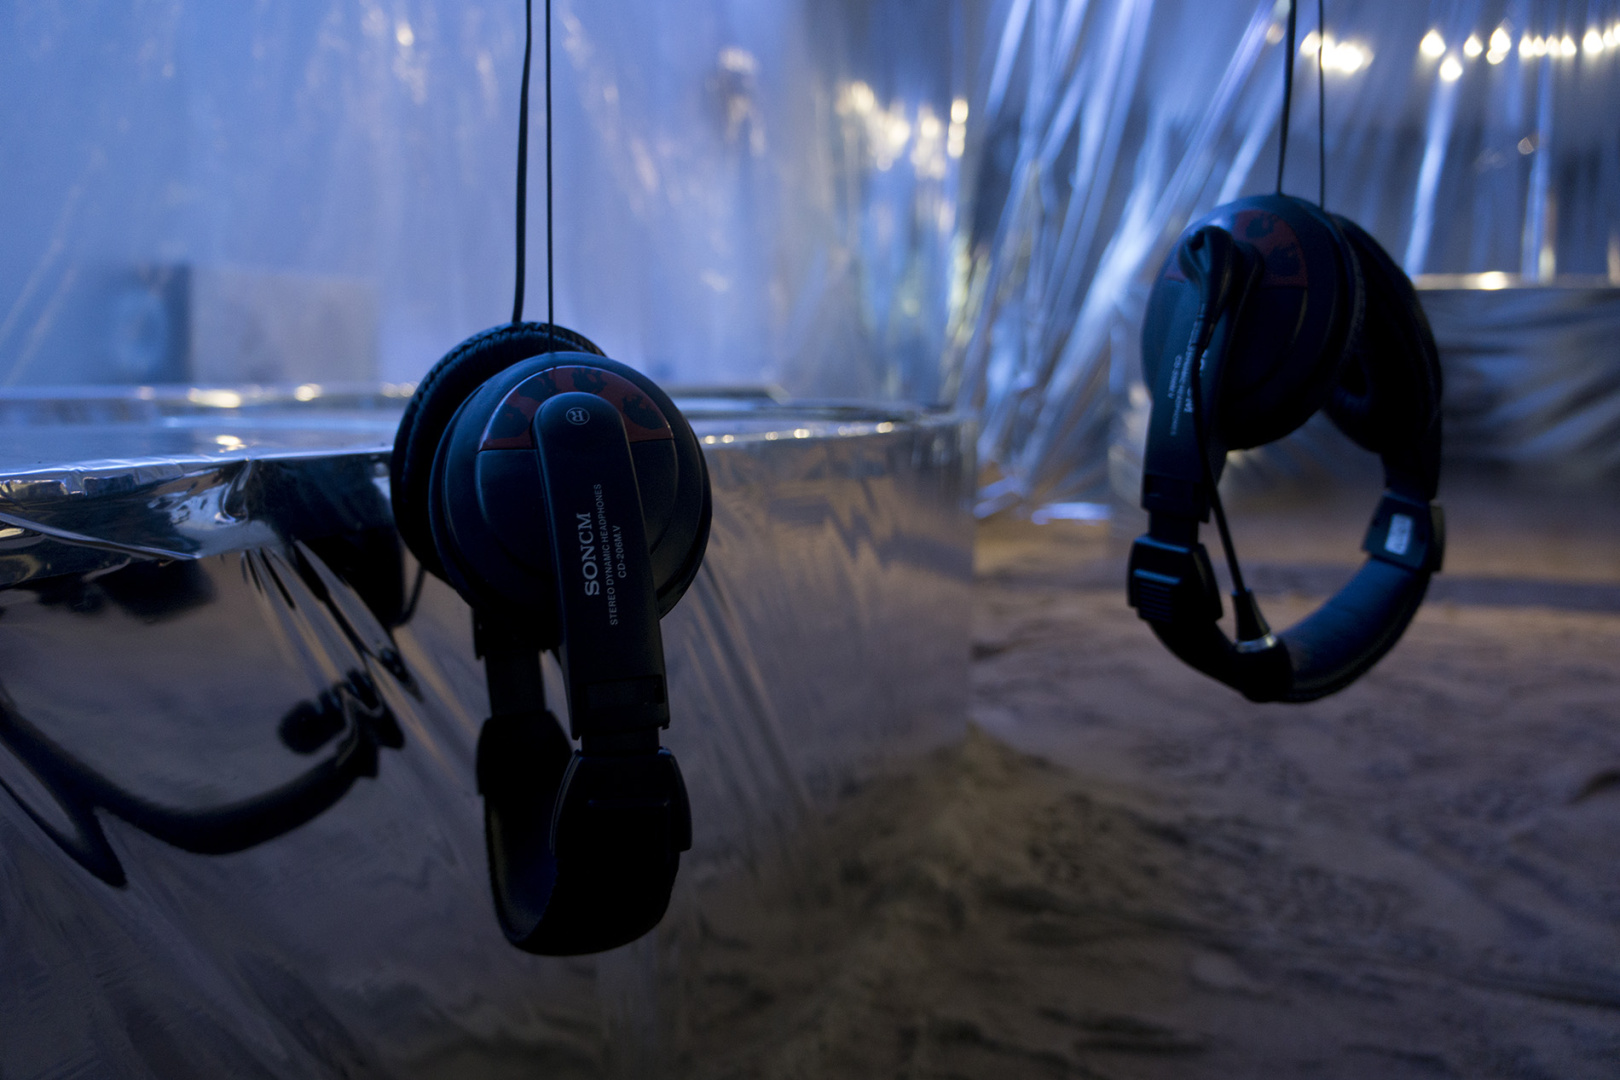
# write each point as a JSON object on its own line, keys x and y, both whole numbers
{"x": 1268, "y": 310}
{"x": 566, "y": 499}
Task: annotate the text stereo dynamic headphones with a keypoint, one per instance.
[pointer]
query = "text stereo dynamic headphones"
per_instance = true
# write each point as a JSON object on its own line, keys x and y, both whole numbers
{"x": 1269, "y": 309}
{"x": 566, "y": 499}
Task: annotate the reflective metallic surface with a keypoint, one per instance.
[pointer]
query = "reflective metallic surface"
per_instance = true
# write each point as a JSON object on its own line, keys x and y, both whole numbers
{"x": 182, "y": 640}
{"x": 1470, "y": 139}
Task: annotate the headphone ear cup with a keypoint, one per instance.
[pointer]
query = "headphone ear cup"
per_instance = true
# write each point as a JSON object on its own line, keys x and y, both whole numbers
{"x": 1388, "y": 399}
{"x": 1296, "y": 330}
{"x": 455, "y": 378}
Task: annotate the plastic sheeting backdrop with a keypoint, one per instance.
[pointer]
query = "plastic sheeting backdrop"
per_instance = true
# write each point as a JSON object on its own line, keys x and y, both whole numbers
{"x": 321, "y": 191}
{"x": 1470, "y": 137}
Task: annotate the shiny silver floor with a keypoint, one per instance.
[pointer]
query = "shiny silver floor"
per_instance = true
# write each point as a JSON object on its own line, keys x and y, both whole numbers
{"x": 1129, "y": 871}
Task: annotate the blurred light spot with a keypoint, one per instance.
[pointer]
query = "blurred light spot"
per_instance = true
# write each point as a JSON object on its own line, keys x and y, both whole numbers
{"x": 308, "y": 392}
{"x": 728, "y": 438}
{"x": 738, "y": 60}
{"x": 404, "y": 34}
{"x": 959, "y": 111}
{"x": 1592, "y": 42}
{"x": 1527, "y": 145}
{"x": 1070, "y": 511}
{"x": 215, "y": 399}
{"x": 1493, "y": 279}
{"x": 716, "y": 281}
{"x": 1274, "y": 33}
{"x": 229, "y": 442}
{"x": 1567, "y": 46}
{"x": 884, "y": 428}
{"x": 1451, "y": 69}
{"x": 1308, "y": 46}
{"x": 1501, "y": 40}
{"x": 710, "y": 440}
{"x": 1473, "y": 46}
{"x": 856, "y": 98}
{"x": 801, "y": 433}
{"x": 1433, "y": 45}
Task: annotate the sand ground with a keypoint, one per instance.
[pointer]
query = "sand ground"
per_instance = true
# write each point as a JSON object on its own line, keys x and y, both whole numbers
{"x": 1129, "y": 871}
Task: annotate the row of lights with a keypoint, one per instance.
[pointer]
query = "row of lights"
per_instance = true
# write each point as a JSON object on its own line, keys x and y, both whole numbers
{"x": 1531, "y": 46}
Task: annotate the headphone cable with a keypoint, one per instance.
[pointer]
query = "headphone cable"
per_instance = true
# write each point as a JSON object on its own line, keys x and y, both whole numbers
{"x": 523, "y": 167}
{"x": 1321, "y": 108}
{"x": 1288, "y": 97}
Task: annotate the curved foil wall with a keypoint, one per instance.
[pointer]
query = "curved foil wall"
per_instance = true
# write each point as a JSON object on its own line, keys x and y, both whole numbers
{"x": 825, "y": 636}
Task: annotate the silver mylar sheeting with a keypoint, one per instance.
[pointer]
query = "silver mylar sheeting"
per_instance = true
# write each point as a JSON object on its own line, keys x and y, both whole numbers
{"x": 179, "y": 637}
{"x": 317, "y": 191}
{"x": 1532, "y": 376}
{"x": 1469, "y": 139}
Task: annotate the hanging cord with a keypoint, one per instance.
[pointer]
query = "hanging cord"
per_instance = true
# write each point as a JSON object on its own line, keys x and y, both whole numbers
{"x": 1321, "y": 109}
{"x": 1288, "y": 96}
{"x": 551, "y": 296}
{"x": 523, "y": 167}
{"x": 523, "y": 156}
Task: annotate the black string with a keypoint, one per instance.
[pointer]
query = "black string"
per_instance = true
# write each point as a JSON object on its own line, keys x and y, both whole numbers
{"x": 523, "y": 155}
{"x": 1288, "y": 97}
{"x": 1321, "y": 109}
{"x": 551, "y": 299}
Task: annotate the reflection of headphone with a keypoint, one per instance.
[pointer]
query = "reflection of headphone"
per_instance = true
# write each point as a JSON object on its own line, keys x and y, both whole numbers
{"x": 1268, "y": 310}
{"x": 566, "y": 499}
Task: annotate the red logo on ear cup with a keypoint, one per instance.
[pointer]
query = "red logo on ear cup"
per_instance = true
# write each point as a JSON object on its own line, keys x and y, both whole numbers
{"x": 511, "y": 426}
{"x": 1268, "y": 234}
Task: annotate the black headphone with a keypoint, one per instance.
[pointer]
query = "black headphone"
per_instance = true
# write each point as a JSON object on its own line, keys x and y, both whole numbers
{"x": 1269, "y": 309}
{"x": 566, "y": 499}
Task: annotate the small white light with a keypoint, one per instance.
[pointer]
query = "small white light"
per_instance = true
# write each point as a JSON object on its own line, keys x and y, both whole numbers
{"x": 1527, "y": 146}
{"x": 1592, "y": 43}
{"x": 1473, "y": 46}
{"x": 1433, "y": 45}
{"x": 1494, "y": 57}
{"x": 1539, "y": 46}
{"x": 229, "y": 442}
{"x": 308, "y": 392}
{"x": 959, "y": 111}
{"x": 1451, "y": 69}
{"x": 801, "y": 433}
{"x": 1567, "y": 46}
{"x": 1493, "y": 279}
{"x": 884, "y": 428}
{"x": 1308, "y": 46}
{"x": 404, "y": 34}
{"x": 1274, "y": 33}
{"x": 1501, "y": 40}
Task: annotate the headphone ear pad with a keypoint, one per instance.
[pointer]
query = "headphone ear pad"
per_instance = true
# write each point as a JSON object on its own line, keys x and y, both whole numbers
{"x": 455, "y": 378}
{"x": 1388, "y": 398}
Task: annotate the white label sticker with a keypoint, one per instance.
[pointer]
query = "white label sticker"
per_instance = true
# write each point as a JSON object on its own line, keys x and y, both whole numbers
{"x": 1400, "y": 534}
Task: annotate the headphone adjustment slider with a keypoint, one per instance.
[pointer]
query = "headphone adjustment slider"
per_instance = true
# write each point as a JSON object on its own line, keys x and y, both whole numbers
{"x": 1407, "y": 532}
{"x": 1170, "y": 583}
